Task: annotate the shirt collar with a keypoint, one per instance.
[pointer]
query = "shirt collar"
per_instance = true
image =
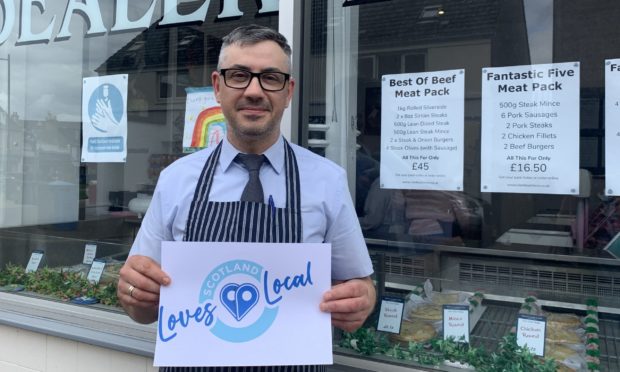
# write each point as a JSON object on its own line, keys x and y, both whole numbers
{"x": 275, "y": 155}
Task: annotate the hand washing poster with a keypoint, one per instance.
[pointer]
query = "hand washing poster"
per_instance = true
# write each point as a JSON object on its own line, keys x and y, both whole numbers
{"x": 204, "y": 122}
{"x": 244, "y": 304}
{"x": 104, "y": 119}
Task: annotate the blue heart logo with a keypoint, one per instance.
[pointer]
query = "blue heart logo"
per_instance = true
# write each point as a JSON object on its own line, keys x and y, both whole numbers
{"x": 239, "y": 299}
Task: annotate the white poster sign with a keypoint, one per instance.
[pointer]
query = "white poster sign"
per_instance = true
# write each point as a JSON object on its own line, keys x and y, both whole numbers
{"x": 204, "y": 122}
{"x": 237, "y": 304}
{"x": 422, "y": 130}
{"x": 104, "y": 119}
{"x": 530, "y": 129}
{"x": 612, "y": 126}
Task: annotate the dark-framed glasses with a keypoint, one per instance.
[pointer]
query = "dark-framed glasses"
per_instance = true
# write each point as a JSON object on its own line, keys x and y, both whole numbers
{"x": 271, "y": 81}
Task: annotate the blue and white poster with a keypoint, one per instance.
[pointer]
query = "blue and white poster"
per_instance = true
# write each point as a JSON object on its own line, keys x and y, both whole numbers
{"x": 244, "y": 304}
{"x": 104, "y": 119}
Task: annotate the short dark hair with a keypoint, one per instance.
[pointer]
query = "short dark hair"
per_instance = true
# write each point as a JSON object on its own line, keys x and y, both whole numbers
{"x": 253, "y": 34}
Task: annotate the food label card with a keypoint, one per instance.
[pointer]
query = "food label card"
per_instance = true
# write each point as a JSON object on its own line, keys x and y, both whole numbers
{"x": 456, "y": 322}
{"x": 96, "y": 269}
{"x": 35, "y": 260}
{"x": 90, "y": 251}
{"x": 391, "y": 314}
{"x": 531, "y": 333}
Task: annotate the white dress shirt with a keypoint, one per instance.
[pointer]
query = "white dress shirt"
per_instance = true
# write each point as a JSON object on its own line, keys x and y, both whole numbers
{"x": 328, "y": 214}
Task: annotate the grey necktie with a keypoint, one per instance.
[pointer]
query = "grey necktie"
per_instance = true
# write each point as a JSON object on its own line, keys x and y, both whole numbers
{"x": 253, "y": 191}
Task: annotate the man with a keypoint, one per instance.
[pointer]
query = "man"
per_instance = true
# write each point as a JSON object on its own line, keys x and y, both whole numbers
{"x": 308, "y": 196}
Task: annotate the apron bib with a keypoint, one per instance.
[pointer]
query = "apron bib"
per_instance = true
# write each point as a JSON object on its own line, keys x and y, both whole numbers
{"x": 242, "y": 221}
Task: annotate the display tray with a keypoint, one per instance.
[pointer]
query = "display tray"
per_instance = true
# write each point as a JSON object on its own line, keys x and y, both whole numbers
{"x": 67, "y": 284}
{"x": 475, "y": 316}
{"x": 441, "y": 298}
{"x": 531, "y": 235}
{"x": 494, "y": 323}
{"x": 109, "y": 275}
{"x": 500, "y": 317}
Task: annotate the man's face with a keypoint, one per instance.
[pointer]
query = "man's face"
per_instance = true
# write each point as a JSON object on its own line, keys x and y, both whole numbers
{"x": 253, "y": 114}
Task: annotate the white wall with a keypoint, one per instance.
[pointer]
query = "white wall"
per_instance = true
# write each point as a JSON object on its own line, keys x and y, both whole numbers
{"x": 26, "y": 351}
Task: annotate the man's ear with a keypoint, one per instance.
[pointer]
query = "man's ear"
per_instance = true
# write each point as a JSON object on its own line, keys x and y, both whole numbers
{"x": 215, "y": 81}
{"x": 291, "y": 90}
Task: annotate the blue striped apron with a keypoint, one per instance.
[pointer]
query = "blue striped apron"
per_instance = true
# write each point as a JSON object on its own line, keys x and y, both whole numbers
{"x": 245, "y": 222}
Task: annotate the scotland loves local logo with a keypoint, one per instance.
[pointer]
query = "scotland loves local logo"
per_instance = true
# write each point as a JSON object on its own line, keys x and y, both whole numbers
{"x": 239, "y": 299}
{"x": 238, "y": 302}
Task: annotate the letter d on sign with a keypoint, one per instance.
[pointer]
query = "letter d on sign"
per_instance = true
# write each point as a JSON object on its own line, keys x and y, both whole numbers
{"x": 8, "y": 8}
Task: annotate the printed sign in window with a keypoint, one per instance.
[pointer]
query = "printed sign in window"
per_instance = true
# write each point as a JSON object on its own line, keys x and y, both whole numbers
{"x": 530, "y": 129}
{"x": 422, "y": 131}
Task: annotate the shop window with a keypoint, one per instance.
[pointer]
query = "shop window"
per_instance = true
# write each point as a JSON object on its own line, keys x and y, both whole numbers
{"x": 509, "y": 243}
{"x": 53, "y": 200}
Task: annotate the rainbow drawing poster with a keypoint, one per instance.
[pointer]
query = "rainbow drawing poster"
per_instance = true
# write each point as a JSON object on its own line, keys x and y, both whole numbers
{"x": 204, "y": 122}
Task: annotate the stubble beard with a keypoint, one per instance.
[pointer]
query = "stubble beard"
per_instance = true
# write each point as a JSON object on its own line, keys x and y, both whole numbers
{"x": 254, "y": 134}
{"x": 252, "y": 130}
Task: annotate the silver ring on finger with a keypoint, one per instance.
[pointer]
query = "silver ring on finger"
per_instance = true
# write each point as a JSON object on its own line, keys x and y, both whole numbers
{"x": 130, "y": 290}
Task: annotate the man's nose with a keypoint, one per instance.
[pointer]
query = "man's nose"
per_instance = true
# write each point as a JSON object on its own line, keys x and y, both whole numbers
{"x": 254, "y": 88}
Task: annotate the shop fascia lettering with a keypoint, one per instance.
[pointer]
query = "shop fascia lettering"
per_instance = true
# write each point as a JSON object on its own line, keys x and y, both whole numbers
{"x": 91, "y": 12}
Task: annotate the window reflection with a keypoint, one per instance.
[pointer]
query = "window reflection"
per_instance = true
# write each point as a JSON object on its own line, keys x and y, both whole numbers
{"x": 46, "y": 190}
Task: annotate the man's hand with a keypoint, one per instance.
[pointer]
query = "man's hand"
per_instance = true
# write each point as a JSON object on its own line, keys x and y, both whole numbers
{"x": 350, "y": 302}
{"x": 138, "y": 288}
